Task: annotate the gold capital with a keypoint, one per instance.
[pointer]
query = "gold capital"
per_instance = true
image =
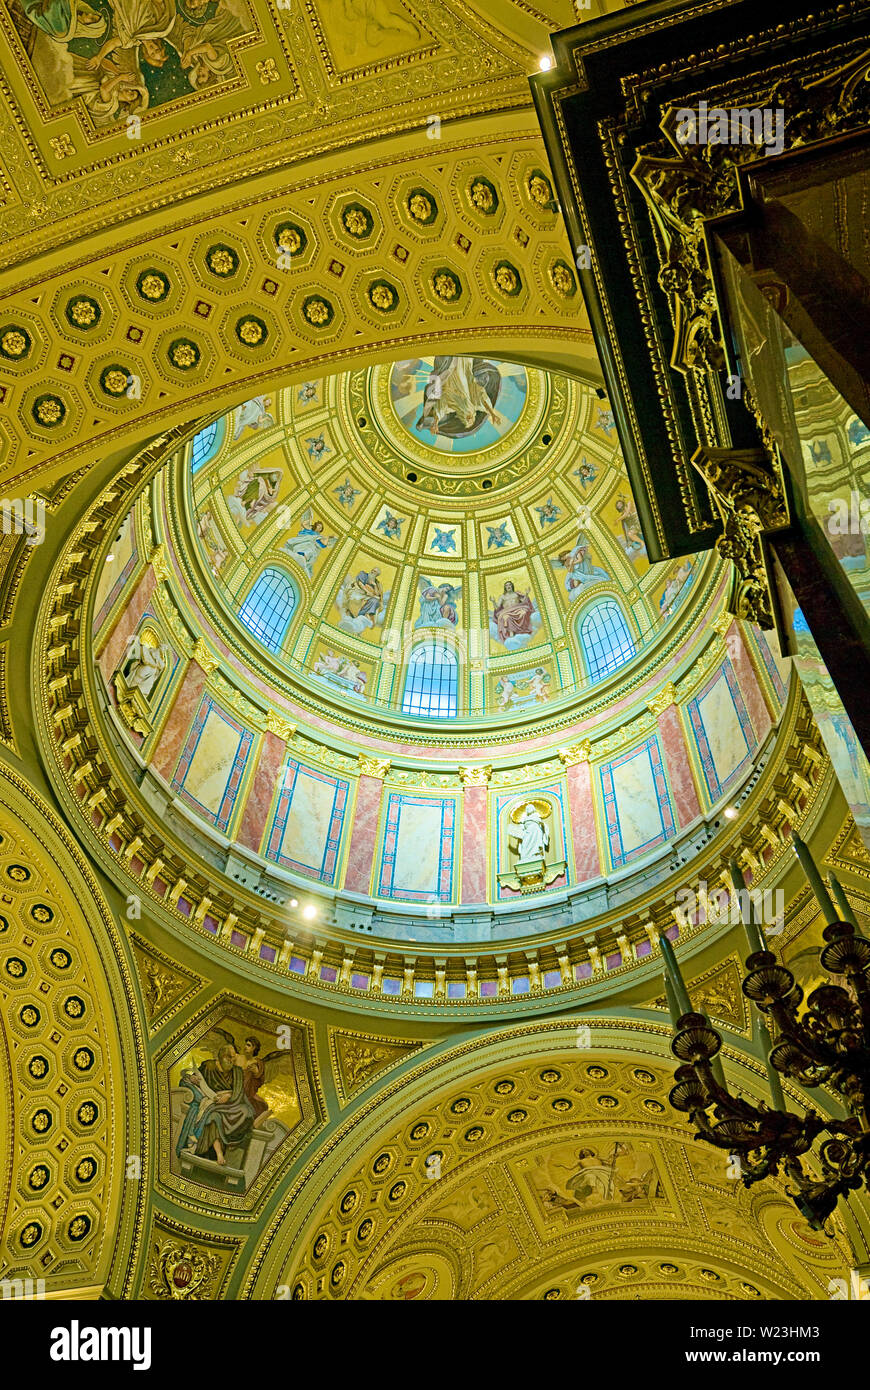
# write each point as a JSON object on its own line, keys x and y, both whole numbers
{"x": 277, "y": 724}
{"x": 663, "y": 700}
{"x": 475, "y": 776}
{"x": 575, "y": 753}
{"x": 373, "y": 767}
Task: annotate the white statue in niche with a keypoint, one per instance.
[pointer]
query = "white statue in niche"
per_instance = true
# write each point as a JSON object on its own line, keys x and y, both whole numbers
{"x": 144, "y": 661}
{"x": 533, "y": 835}
{"x": 528, "y": 869}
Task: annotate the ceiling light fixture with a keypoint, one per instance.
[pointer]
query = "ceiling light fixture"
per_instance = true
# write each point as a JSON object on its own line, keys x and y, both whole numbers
{"x": 731, "y": 812}
{"x": 545, "y": 62}
{"x": 309, "y": 910}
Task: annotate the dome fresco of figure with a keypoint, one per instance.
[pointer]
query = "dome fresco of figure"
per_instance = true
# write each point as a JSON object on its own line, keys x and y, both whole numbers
{"x": 444, "y": 537}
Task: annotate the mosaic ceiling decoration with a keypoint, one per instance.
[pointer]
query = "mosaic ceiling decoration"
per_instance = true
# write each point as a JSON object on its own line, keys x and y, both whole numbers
{"x": 471, "y": 500}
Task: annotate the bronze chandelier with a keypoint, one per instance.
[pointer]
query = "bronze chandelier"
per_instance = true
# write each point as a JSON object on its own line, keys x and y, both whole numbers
{"x": 827, "y": 1044}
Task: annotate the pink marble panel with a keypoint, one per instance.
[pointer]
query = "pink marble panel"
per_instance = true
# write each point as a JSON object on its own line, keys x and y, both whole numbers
{"x": 586, "y": 862}
{"x": 181, "y": 717}
{"x": 474, "y": 845}
{"x": 361, "y": 852}
{"x": 128, "y": 621}
{"x": 259, "y": 799}
{"x": 679, "y": 768}
{"x": 748, "y": 682}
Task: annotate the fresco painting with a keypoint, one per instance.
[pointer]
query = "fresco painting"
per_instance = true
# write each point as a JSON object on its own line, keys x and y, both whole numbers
{"x": 457, "y": 404}
{"x": 121, "y": 58}
{"x": 234, "y": 1098}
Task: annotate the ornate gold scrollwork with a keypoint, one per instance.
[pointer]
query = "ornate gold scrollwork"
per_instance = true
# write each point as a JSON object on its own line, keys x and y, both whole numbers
{"x": 204, "y": 657}
{"x": 475, "y": 776}
{"x": 575, "y": 753}
{"x": 663, "y": 699}
{"x": 748, "y": 492}
{"x": 278, "y": 725}
{"x": 701, "y": 182}
{"x": 373, "y": 767}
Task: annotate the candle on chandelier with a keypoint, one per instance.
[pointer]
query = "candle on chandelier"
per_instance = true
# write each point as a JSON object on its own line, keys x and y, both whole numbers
{"x": 681, "y": 997}
{"x": 673, "y": 1006}
{"x": 843, "y": 905}
{"x": 814, "y": 879}
{"x": 773, "y": 1080}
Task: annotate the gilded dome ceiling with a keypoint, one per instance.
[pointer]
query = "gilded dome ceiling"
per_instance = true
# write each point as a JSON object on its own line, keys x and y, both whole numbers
{"x": 470, "y": 502}
{"x": 368, "y": 645}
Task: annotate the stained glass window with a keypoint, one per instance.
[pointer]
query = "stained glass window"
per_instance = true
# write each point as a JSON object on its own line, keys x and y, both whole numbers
{"x": 431, "y": 682}
{"x": 604, "y": 636}
{"x": 267, "y": 610}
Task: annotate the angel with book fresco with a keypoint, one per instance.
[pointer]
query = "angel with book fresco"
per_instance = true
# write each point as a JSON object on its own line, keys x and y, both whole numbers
{"x": 225, "y": 1105}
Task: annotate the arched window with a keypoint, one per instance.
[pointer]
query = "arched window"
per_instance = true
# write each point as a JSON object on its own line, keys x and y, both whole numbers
{"x": 431, "y": 682}
{"x": 604, "y": 636}
{"x": 267, "y": 610}
{"x": 204, "y": 445}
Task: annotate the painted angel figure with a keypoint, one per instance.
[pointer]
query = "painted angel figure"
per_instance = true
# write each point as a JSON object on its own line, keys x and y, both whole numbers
{"x": 438, "y": 603}
{"x": 308, "y": 542}
{"x": 631, "y": 539}
{"x": 225, "y": 1106}
{"x": 361, "y": 600}
{"x": 254, "y": 495}
{"x": 505, "y": 690}
{"x": 258, "y": 1070}
{"x": 578, "y": 566}
{"x": 459, "y": 395}
{"x": 202, "y": 29}
{"x": 112, "y": 91}
{"x": 538, "y": 685}
{"x": 254, "y": 414}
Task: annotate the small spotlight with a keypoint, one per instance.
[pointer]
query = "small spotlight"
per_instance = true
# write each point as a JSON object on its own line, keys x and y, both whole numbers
{"x": 731, "y": 813}
{"x": 109, "y": 557}
{"x": 309, "y": 910}
{"x": 294, "y": 902}
{"x": 545, "y": 62}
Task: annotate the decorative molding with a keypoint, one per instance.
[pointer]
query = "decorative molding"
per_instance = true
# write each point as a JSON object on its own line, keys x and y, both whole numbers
{"x": 748, "y": 491}
{"x": 159, "y": 564}
{"x": 204, "y": 657}
{"x": 357, "y": 1058}
{"x": 575, "y": 753}
{"x": 475, "y": 776}
{"x": 666, "y": 697}
{"x": 373, "y": 767}
{"x": 277, "y": 724}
